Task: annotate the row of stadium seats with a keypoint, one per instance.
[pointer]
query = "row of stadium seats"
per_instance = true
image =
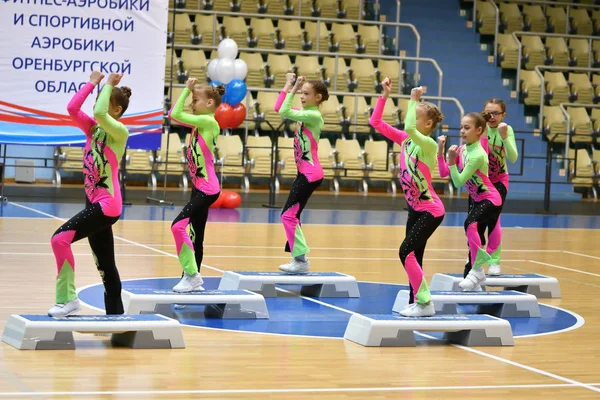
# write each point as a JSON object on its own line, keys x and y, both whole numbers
{"x": 560, "y": 87}
{"x": 266, "y": 33}
{"x": 360, "y": 74}
{"x": 574, "y": 88}
{"x": 585, "y": 128}
{"x": 537, "y": 18}
{"x": 541, "y": 50}
{"x": 349, "y": 9}
{"x": 584, "y": 170}
{"x": 346, "y": 162}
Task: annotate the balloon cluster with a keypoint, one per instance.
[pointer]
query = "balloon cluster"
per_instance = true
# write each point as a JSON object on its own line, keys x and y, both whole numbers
{"x": 228, "y": 71}
{"x": 227, "y": 199}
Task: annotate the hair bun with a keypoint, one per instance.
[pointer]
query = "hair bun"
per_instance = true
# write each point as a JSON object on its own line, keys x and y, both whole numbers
{"x": 440, "y": 116}
{"x": 221, "y": 90}
{"x": 486, "y": 115}
{"x": 126, "y": 91}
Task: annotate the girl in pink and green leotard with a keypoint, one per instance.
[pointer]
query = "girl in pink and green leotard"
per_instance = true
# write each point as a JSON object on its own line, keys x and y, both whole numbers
{"x": 206, "y": 188}
{"x": 499, "y": 144}
{"x": 468, "y": 165}
{"x": 310, "y": 173}
{"x": 105, "y": 145}
{"x": 425, "y": 209}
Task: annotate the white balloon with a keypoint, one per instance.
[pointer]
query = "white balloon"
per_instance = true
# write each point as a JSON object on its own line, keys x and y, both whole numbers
{"x": 213, "y": 69}
{"x": 228, "y": 48}
{"x": 241, "y": 69}
{"x": 226, "y": 71}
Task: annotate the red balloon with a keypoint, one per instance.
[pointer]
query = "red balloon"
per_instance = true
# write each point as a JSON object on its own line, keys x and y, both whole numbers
{"x": 223, "y": 115}
{"x": 238, "y": 115}
{"x": 232, "y": 200}
{"x": 219, "y": 202}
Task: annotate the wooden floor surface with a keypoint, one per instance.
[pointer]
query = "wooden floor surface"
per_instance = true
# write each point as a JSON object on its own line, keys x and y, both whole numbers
{"x": 237, "y": 365}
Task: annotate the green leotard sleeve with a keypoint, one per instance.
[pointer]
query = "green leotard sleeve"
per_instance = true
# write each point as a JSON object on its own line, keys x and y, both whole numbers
{"x": 426, "y": 143}
{"x": 116, "y": 130}
{"x": 460, "y": 178}
{"x": 511, "y": 146}
{"x": 203, "y": 121}
{"x": 305, "y": 116}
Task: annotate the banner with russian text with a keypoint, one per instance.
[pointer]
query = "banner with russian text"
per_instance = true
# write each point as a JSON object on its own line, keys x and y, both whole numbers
{"x": 50, "y": 47}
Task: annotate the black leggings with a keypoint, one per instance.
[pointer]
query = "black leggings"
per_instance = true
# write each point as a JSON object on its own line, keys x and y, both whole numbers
{"x": 481, "y": 215}
{"x": 419, "y": 228}
{"x": 97, "y": 227}
{"x": 194, "y": 213}
{"x": 300, "y": 192}
{"x": 491, "y": 224}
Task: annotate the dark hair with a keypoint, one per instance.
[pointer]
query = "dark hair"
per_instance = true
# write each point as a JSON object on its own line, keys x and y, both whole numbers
{"x": 480, "y": 119}
{"x": 120, "y": 97}
{"x": 495, "y": 100}
{"x": 433, "y": 113}
{"x": 320, "y": 88}
{"x": 214, "y": 92}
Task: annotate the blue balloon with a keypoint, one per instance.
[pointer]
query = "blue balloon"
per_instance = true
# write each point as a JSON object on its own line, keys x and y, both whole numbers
{"x": 235, "y": 91}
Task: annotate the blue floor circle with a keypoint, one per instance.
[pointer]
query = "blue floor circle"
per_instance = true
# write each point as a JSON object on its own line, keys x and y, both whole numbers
{"x": 322, "y": 317}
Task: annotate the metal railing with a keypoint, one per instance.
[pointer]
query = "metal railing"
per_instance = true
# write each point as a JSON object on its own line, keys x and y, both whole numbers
{"x": 554, "y": 4}
{"x": 520, "y": 54}
{"x": 538, "y": 70}
{"x": 318, "y": 20}
{"x": 568, "y": 118}
{"x": 336, "y": 55}
{"x": 496, "y": 28}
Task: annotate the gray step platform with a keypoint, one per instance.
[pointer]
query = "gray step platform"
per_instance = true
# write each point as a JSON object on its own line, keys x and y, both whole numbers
{"x": 396, "y": 330}
{"x": 314, "y": 284}
{"x": 41, "y": 332}
{"x": 540, "y": 286}
{"x": 227, "y": 304}
{"x": 503, "y": 304}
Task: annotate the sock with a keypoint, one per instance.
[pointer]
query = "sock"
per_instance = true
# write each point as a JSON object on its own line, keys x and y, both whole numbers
{"x": 301, "y": 258}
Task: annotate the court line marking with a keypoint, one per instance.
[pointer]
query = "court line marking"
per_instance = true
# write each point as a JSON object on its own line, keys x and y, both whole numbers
{"x": 580, "y": 320}
{"x": 526, "y": 367}
{"x": 395, "y": 249}
{"x": 80, "y": 254}
{"x": 581, "y": 254}
{"x": 239, "y": 256}
{"x": 322, "y": 224}
{"x": 342, "y": 258}
{"x": 561, "y": 279}
{"x": 115, "y": 236}
{"x": 303, "y": 390}
{"x": 500, "y": 359}
{"x": 203, "y": 327}
{"x": 565, "y": 268}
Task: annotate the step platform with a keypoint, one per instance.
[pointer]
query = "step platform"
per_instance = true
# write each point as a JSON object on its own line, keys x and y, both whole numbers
{"x": 226, "y": 304}
{"x": 41, "y": 332}
{"x": 540, "y": 286}
{"x": 502, "y": 304}
{"x": 395, "y": 330}
{"x": 314, "y": 284}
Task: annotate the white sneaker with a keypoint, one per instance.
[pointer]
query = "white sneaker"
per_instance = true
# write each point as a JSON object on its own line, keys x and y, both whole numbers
{"x": 494, "y": 270}
{"x": 62, "y": 310}
{"x": 419, "y": 310}
{"x": 189, "y": 283}
{"x": 475, "y": 278}
{"x": 295, "y": 267}
{"x": 477, "y": 288}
